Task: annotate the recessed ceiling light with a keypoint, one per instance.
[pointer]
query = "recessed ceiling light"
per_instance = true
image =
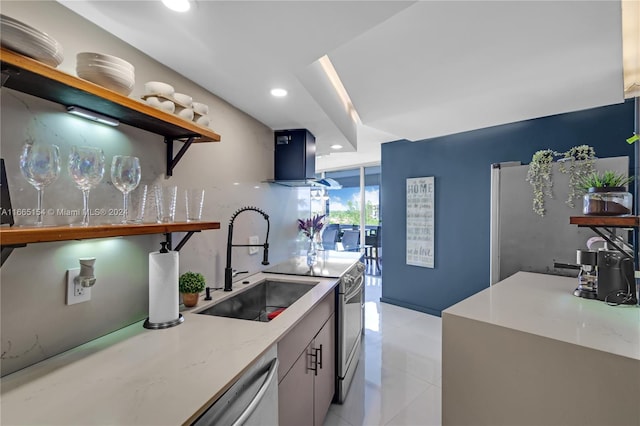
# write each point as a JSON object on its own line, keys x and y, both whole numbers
{"x": 177, "y": 5}
{"x": 278, "y": 93}
{"x": 336, "y": 146}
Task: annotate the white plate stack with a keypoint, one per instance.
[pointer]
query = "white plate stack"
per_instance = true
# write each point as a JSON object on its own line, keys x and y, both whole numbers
{"x": 22, "y": 38}
{"x": 107, "y": 71}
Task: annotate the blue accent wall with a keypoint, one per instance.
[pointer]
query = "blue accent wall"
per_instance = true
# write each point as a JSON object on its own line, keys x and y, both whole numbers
{"x": 461, "y": 166}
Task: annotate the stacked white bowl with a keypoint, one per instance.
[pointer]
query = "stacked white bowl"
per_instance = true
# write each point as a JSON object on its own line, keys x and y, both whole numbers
{"x": 201, "y": 110}
{"x": 156, "y": 94}
{"x": 163, "y": 96}
{"x": 107, "y": 71}
{"x": 183, "y": 106}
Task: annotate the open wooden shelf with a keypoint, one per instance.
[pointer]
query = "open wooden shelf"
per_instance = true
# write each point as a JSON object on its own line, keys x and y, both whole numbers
{"x": 35, "y": 78}
{"x": 606, "y": 221}
{"x": 25, "y": 235}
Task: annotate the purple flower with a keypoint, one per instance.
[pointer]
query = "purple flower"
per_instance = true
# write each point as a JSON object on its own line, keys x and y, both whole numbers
{"x": 311, "y": 226}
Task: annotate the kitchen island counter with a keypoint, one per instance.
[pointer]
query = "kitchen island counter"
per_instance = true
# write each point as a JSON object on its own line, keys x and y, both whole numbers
{"x": 527, "y": 351}
{"x": 159, "y": 377}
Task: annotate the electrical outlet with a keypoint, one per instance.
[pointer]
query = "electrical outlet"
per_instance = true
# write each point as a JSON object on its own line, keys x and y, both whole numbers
{"x": 75, "y": 292}
{"x": 253, "y": 240}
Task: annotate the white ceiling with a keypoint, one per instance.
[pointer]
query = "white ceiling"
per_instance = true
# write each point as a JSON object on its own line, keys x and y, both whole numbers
{"x": 413, "y": 70}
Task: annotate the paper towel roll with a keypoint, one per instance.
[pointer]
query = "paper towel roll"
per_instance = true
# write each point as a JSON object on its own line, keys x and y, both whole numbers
{"x": 163, "y": 287}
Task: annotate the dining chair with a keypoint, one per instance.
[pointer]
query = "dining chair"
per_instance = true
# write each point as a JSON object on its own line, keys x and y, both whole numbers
{"x": 373, "y": 242}
{"x": 330, "y": 236}
{"x": 351, "y": 240}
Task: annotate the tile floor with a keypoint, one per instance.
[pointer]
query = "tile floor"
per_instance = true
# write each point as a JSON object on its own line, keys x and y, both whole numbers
{"x": 399, "y": 375}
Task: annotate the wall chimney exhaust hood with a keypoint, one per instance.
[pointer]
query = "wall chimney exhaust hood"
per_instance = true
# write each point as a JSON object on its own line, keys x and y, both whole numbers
{"x": 295, "y": 160}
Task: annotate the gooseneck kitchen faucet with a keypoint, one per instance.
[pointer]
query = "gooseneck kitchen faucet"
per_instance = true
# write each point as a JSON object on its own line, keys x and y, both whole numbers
{"x": 228, "y": 272}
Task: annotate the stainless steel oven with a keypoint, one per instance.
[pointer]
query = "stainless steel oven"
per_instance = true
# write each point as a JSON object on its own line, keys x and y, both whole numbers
{"x": 350, "y": 326}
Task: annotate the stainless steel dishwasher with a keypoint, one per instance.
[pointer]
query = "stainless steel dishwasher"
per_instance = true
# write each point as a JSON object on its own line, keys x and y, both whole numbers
{"x": 252, "y": 400}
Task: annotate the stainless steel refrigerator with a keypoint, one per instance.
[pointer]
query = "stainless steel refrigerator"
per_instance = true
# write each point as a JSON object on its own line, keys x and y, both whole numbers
{"x": 521, "y": 240}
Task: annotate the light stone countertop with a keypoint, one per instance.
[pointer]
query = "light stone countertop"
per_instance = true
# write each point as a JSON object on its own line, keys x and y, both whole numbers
{"x": 544, "y": 305}
{"x": 150, "y": 377}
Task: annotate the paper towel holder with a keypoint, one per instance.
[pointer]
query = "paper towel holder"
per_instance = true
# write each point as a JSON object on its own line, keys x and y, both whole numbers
{"x": 167, "y": 324}
{"x": 160, "y": 325}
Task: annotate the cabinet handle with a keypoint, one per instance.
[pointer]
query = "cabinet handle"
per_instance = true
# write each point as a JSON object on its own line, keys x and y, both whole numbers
{"x": 320, "y": 362}
{"x": 314, "y": 361}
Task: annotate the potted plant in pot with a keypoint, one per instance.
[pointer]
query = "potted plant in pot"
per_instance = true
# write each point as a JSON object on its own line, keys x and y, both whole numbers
{"x": 190, "y": 285}
{"x": 606, "y": 194}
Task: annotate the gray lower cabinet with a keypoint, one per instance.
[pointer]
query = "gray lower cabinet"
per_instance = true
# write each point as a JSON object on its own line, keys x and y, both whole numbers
{"x": 295, "y": 394}
{"x": 307, "y": 382}
{"x": 324, "y": 385}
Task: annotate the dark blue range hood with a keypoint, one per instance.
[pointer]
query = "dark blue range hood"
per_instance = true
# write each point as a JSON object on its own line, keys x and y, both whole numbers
{"x": 295, "y": 160}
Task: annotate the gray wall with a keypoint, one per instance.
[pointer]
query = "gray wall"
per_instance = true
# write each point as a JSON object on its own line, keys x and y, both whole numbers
{"x": 35, "y": 322}
{"x": 461, "y": 166}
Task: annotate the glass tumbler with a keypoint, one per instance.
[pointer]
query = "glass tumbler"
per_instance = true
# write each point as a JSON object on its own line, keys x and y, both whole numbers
{"x": 165, "y": 202}
{"x": 194, "y": 200}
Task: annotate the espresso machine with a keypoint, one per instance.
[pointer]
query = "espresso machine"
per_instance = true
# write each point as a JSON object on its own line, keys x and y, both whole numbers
{"x": 587, "y": 277}
{"x": 616, "y": 282}
{"x": 606, "y": 275}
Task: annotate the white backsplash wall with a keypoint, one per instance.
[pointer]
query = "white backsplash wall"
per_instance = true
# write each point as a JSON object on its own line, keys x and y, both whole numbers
{"x": 35, "y": 321}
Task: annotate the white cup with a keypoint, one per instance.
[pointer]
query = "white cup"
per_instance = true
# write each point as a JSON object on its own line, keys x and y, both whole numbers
{"x": 165, "y": 202}
{"x": 194, "y": 201}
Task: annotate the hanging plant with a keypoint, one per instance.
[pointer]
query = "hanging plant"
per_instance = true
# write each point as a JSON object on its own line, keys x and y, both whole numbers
{"x": 539, "y": 176}
{"x": 578, "y": 162}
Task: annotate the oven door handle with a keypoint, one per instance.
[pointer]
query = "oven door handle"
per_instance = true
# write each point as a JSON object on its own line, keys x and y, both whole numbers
{"x": 354, "y": 292}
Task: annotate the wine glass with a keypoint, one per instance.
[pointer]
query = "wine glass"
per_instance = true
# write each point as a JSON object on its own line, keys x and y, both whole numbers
{"x": 40, "y": 165}
{"x": 125, "y": 175}
{"x": 86, "y": 167}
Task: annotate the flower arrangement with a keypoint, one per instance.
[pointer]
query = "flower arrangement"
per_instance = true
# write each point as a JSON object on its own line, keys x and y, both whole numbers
{"x": 310, "y": 227}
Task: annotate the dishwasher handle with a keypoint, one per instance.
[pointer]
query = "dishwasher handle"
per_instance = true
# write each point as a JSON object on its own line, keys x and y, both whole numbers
{"x": 273, "y": 369}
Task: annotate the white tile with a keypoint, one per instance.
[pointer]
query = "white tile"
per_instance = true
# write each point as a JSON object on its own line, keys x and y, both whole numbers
{"x": 380, "y": 396}
{"x": 397, "y": 357}
{"x": 332, "y": 419}
{"x": 425, "y": 410}
{"x": 414, "y": 342}
{"x": 396, "y": 316}
{"x": 399, "y": 375}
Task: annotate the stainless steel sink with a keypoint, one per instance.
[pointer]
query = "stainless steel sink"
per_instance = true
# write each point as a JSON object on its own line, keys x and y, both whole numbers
{"x": 257, "y": 302}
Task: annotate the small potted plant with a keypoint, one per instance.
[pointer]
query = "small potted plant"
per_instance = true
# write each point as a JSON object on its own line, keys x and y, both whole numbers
{"x": 190, "y": 285}
{"x": 606, "y": 194}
